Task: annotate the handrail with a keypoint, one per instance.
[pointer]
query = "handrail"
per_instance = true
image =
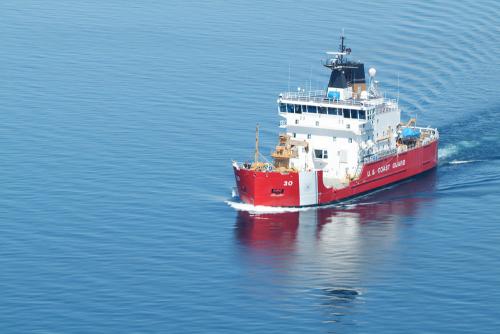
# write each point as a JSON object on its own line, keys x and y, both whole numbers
{"x": 381, "y": 155}
{"x": 322, "y": 99}
{"x": 320, "y": 96}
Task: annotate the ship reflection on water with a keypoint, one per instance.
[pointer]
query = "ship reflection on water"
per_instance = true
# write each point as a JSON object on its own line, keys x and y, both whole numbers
{"x": 332, "y": 251}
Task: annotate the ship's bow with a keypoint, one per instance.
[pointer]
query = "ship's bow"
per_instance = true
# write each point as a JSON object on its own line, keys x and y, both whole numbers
{"x": 267, "y": 188}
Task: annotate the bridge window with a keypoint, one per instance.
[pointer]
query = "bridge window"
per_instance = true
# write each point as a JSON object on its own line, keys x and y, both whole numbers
{"x": 354, "y": 113}
{"x": 289, "y": 108}
{"x": 297, "y": 109}
{"x": 322, "y": 110}
{"x": 371, "y": 113}
{"x": 282, "y": 107}
{"x": 311, "y": 109}
{"x": 347, "y": 113}
{"x": 332, "y": 111}
{"x": 362, "y": 114}
{"x": 321, "y": 154}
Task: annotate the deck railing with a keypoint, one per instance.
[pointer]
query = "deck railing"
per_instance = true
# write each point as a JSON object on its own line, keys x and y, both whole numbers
{"x": 316, "y": 96}
{"x": 430, "y": 135}
{"x": 320, "y": 96}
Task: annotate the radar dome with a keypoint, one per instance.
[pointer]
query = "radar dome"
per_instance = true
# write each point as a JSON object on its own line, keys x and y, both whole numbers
{"x": 372, "y": 71}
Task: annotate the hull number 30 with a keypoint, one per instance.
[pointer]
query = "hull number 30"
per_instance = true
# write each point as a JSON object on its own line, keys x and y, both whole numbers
{"x": 288, "y": 183}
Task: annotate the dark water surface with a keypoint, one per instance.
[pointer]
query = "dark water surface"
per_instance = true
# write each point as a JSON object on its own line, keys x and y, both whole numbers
{"x": 119, "y": 123}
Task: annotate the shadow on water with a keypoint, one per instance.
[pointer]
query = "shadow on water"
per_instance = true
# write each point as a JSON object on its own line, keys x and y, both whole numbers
{"x": 329, "y": 251}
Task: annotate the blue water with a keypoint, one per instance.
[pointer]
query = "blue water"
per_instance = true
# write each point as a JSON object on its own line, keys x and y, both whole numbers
{"x": 119, "y": 123}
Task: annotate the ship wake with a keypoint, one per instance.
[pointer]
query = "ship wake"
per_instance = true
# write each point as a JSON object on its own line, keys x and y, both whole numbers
{"x": 460, "y": 162}
{"x": 449, "y": 153}
{"x": 259, "y": 209}
{"x": 342, "y": 205}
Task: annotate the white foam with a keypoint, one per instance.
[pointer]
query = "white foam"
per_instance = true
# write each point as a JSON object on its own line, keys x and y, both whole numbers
{"x": 262, "y": 208}
{"x": 468, "y": 144}
{"x": 451, "y": 150}
{"x": 447, "y": 152}
{"x": 459, "y": 162}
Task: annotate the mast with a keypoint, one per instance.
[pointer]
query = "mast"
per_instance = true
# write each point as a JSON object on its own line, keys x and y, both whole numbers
{"x": 256, "y": 157}
{"x": 341, "y": 48}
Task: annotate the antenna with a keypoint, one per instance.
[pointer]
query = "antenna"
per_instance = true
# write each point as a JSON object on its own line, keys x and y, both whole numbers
{"x": 373, "y": 89}
{"x": 398, "y": 89}
{"x": 310, "y": 78}
{"x": 342, "y": 46}
{"x": 288, "y": 76}
{"x": 256, "y": 157}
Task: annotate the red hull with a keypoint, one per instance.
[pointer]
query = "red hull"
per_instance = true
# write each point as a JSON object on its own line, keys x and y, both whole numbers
{"x": 277, "y": 189}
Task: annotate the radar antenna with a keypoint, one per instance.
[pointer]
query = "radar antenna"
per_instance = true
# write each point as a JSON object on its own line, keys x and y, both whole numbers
{"x": 338, "y": 60}
{"x": 373, "y": 91}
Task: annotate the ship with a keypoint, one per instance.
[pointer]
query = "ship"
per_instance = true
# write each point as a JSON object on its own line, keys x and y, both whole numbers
{"x": 336, "y": 143}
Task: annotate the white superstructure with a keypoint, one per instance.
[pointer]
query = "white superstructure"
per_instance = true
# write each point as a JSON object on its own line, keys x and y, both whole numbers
{"x": 338, "y": 129}
{"x": 338, "y": 133}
